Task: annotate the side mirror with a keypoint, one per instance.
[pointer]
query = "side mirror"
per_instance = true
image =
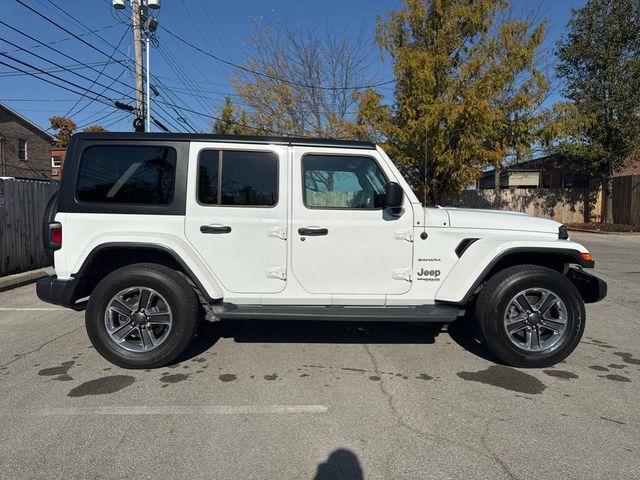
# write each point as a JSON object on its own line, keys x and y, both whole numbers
{"x": 394, "y": 198}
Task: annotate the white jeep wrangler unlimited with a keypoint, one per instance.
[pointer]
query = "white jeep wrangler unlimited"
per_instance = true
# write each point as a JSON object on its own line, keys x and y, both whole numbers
{"x": 151, "y": 227}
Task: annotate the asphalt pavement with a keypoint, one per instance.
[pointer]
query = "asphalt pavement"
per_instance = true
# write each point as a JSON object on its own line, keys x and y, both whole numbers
{"x": 324, "y": 400}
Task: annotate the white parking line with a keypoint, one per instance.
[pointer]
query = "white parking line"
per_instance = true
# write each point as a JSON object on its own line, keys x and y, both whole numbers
{"x": 31, "y": 309}
{"x": 173, "y": 410}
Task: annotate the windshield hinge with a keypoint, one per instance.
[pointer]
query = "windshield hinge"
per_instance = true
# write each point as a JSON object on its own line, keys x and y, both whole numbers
{"x": 401, "y": 274}
{"x": 404, "y": 235}
{"x": 277, "y": 272}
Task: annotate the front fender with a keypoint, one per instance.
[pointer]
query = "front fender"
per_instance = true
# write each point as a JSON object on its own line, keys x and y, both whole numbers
{"x": 478, "y": 260}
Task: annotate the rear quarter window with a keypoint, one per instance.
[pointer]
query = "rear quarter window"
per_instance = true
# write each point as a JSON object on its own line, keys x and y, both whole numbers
{"x": 142, "y": 175}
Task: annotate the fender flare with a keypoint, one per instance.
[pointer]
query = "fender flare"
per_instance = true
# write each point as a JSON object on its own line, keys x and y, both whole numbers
{"x": 571, "y": 253}
{"x": 150, "y": 246}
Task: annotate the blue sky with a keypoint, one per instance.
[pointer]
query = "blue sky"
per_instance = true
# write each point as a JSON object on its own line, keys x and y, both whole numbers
{"x": 219, "y": 26}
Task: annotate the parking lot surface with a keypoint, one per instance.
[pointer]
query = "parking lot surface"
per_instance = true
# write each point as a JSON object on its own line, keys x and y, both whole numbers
{"x": 324, "y": 401}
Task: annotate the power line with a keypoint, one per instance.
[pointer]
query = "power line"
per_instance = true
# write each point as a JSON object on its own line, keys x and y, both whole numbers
{"x": 109, "y": 87}
{"x": 63, "y": 28}
{"x": 96, "y": 120}
{"x": 99, "y": 74}
{"x": 74, "y": 66}
{"x": 57, "y": 65}
{"x": 65, "y": 39}
{"x": 266, "y": 75}
{"x": 71, "y": 33}
{"x": 56, "y": 51}
{"x": 39, "y": 100}
{"x": 51, "y": 75}
{"x": 103, "y": 91}
{"x": 215, "y": 30}
{"x": 181, "y": 72}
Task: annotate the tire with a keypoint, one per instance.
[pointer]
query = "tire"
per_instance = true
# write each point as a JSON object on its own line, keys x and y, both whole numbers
{"x": 539, "y": 338}
{"x": 168, "y": 297}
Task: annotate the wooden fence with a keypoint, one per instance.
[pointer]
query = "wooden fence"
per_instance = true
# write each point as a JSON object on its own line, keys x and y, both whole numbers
{"x": 565, "y": 205}
{"x": 626, "y": 200}
{"x": 22, "y": 205}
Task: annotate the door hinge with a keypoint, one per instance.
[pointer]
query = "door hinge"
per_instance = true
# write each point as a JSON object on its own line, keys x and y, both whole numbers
{"x": 277, "y": 232}
{"x": 404, "y": 235}
{"x": 277, "y": 272}
{"x": 401, "y": 274}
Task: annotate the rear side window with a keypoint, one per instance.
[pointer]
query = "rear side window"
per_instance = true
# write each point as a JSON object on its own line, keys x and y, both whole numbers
{"x": 239, "y": 178}
{"x": 127, "y": 175}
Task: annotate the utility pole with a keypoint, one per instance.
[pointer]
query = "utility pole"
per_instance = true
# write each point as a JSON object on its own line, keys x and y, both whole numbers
{"x": 139, "y": 12}
{"x": 148, "y": 83}
{"x": 137, "y": 42}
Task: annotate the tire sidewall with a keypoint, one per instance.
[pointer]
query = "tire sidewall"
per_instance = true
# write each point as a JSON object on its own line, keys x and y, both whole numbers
{"x": 493, "y": 322}
{"x": 181, "y": 303}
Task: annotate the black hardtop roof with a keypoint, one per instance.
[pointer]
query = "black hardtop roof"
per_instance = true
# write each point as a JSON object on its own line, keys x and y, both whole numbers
{"x": 205, "y": 137}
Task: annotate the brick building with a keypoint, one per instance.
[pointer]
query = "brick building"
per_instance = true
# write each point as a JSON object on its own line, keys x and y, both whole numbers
{"x": 25, "y": 148}
{"x": 58, "y": 156}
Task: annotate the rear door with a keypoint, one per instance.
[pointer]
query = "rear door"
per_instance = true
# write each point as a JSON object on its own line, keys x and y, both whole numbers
{"x": 237, "y": 213}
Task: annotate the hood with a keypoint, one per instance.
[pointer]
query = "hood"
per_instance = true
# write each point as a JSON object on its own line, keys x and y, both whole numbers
{"x": 499, "y": 220}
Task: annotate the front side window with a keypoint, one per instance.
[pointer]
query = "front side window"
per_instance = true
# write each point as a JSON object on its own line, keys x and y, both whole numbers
{"x": 238, "y": 178}
{"x": 22, "y": 149}
{"x": 56, "y": 161}
{"x": 333, "y": 181}
{"x": 127, "y": 175}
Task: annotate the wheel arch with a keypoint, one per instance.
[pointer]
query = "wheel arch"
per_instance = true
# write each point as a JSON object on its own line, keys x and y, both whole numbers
{"x": 557, "y": 259}
{"x": 108, "y": 257}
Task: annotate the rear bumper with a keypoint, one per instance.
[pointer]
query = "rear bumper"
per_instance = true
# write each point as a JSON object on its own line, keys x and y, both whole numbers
{"x": 59, "y": 292}
{"x": 592, "y": 288}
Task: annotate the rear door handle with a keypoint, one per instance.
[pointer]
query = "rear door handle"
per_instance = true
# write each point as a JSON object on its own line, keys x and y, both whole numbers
{"x": 215, "y": 229}
{"x": 313, "y": 231}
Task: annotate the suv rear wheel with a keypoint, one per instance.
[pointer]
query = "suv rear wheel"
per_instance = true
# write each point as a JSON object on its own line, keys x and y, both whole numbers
{"x": 142, "y": 316}
{"x": 530, "y": 316}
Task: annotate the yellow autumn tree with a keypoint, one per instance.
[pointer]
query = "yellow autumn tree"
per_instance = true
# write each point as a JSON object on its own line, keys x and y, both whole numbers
{"x": 466, "y": 91}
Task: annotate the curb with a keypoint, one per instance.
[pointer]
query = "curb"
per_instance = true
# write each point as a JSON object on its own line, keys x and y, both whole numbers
{"x": 598, "y": 232}
{"x": 20, "y": 279}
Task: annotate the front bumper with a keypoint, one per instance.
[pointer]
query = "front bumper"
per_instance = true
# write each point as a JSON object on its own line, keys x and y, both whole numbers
{"x": 59, "y": 292}
{"x": 592, "y": 288}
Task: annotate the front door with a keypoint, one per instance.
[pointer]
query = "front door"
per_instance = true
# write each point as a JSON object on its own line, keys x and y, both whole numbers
{"x": 237, "y": 214}
{"x": 344, "y": 242}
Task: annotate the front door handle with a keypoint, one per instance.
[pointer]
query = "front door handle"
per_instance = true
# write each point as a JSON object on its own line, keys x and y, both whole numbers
{"x": 313, "y": 231}
{"x": 215, "y": 229}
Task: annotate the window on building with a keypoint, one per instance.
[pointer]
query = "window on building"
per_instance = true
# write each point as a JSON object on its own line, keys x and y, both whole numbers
{"x": 22, "y": 149}
{"x": 56, "y": 161}
{"x": 240, "y": 178}
{"x": 127, "y": 174}
{"x": 332, "y": 181}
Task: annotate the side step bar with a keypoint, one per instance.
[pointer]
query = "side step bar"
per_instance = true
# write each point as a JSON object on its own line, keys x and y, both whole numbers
{"x": 422, "y": 313}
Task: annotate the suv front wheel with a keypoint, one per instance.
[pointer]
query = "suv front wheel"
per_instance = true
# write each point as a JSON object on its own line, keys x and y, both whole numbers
{"x": 530, "y": 316}
{"x": 142, "y": 316}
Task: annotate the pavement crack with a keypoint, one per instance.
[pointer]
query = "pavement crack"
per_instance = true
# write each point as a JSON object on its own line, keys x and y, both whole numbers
{"x": 389, "y": 397}
{"x": 486, "y": 452}
{"x": 22, "y": 355}
{"x": 495, "y": 456}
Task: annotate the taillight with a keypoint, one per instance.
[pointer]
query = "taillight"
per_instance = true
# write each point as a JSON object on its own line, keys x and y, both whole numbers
{"x": 54, "y": 239}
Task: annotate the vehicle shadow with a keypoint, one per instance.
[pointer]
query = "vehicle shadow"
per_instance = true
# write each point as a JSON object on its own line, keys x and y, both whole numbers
{"x": 342, "y": 464}
{"x": 274, "y": 331}
{"x": 462, "y": 331}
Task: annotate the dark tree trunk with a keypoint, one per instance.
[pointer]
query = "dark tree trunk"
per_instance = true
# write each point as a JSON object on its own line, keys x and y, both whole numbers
{"x": 496, "y": 179}
{"x": 607, "y": 199}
